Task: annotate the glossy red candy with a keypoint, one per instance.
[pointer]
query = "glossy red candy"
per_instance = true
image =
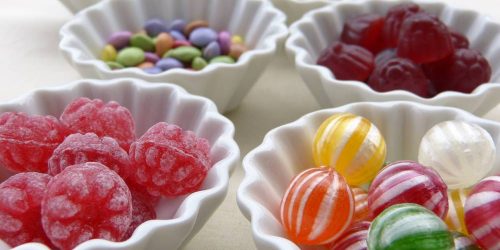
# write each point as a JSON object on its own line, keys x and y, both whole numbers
{"x": 459, "y": 41}
{"x": 354, "y": 238}
{"x": 364, "y": 30}
{"x": 347, "y": 62}
{"x": 384, "y": 56}
{"x": 393, "y": 21}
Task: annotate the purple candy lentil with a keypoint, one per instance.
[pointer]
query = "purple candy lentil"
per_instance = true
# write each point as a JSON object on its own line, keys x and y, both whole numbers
{"x": 178, "y": 25}
{"x": 153, "y": 70}
{"x": 211, "y": 50}
{"x": 169, "y": 63}
{"x": 120, "y": 39}
{"x": 151, "y": 57}
{"x": 201, "y": 37}
{"x": 155, "y": 26}
{"x": 178, "y": 36}
{"x": 224, "y": 40}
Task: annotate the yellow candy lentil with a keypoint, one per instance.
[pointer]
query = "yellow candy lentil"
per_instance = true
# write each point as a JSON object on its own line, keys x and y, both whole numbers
{"x": 109, "y": 53}
{"x": 237, "y": 39}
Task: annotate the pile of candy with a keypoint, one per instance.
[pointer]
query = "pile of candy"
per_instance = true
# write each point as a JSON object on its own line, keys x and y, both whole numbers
{"x": 406, "y": 202}
{"x": 408, "y": 49}
{"x": 85, "y": 175}
{"x": 161, "y": 46}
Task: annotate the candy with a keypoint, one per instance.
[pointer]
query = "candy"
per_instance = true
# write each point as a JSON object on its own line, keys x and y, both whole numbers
{"x": 347, "y": 62}
{"x": 151, "y": 57}
{"x": 222, "y": 59}
{"x": 201, "y": 37}
{"x": 178, "y": 36}
{"x": 462, "y": 153}
{"x": 393, "y": 21}
{"x": 130, "y": 56}
{"x": 212, "y": 50}
{"x": 198, "y": 63}
{"x": 352, "y": 145}
{"x": 143, "y": 42}
{"x": 84, "y": 202}
{"x": 163, "y": 43}
{"x": 455, "y": 217}
{"x": 114, "y": 65}
{"x": 108, "y": 53}
{"x": 120, "y": 40}
{"x": 224, "y": 40}
{"x": 462, "y": 242}
{"x": 482, "y": 213}
{"x": 180, "y": 43}
{"x": 194, "y": 25}
{"x": 104, "y": 119}
{"x": 364, "y": 30}
{"x": 79, "y": 148}
{"x": 384, "y": 56}
{"x": 459, "y": 41}
{"x": 354, "y": 238}
{"x": 153, "y": 70}
{"x": 408, "y": 182}
{"x": 236, "y": 50}
{"x": 27, "y": 142}
{"x": 155, "y": 26}
{"x": 237, "y": 39}
{"x": 169, "y": 161}
{"x": 20, "y": 201}
{"x": 145, "y": 65}
{"x": 184, "y": 54}
{"x": 142, "y": 211}
{"x": 408, "y": 226}
{"x": 178, "y": 25}
{"x": 362, "y": 210}
{"x": 169, "y": 63}
{"x": 317, "y": 207}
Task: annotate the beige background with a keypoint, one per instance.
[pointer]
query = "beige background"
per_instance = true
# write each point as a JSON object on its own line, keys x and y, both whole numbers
{"x": 30, "y": 59}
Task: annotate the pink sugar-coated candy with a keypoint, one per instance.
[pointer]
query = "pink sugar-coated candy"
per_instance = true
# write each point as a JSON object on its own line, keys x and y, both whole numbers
{"x": 354, "y": 238}
{"x": 83, "y": 202}
{"x": 224, "y": 40}
{"x": 20, "y": 201}
{"x": 27, "y": 141}
{"x": 180, "y": 43}
{"x": 408, "y": 182}
{"x": 142, "y": 211}
{"x": 482, "y": 213}
{"x": 79, "y": 148}
{"x": 104, "y": 119}
{"x": 362, "y": 211}
{"x": 169, "y": 161}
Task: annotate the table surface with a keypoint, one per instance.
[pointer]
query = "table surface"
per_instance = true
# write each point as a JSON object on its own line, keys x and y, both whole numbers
{"x": 30, "y": 59}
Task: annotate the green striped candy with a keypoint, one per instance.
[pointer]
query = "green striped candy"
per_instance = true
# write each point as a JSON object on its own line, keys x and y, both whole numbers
{"x": 409, "y": 226}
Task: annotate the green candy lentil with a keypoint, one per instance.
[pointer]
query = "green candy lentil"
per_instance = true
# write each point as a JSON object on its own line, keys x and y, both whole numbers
{"x": 199, "y": 63}
{"x": 184, "y": 53}
{"x": 143, "y": 42}
{"x": 108, "y": 53}
{"x": 114, "y": 65}
{"x": 130, "y": 56}
{"x": 222, "y": 59}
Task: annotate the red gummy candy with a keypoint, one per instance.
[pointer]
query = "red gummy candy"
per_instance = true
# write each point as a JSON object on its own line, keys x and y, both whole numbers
{"x": 400, "y": 73}
{"x": 78, "y": 148}
{"x": 83, "y": 202}
{"x": 365, "y": 31}
{"x": 27, "y": 142}
{"x": 104, "y": 119}
{"x": 393, "y": 21}
{"x": 142, "y": 211}
{"x": 424, "y": 38}
{"x": 463, "y": 71}
{"x": 169, "y": 161}
{"x": 347, "y": 62}
{"x": 20, "y": 202}
{"x": 459, "y": 41}
{"x": 384, "y": 56}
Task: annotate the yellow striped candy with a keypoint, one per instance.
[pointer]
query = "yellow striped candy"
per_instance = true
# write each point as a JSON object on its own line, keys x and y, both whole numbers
{"x": 352, "y": 145}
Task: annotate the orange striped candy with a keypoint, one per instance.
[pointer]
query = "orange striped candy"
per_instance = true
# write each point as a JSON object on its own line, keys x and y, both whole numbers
{"x": 361, "y": 211}
{"x": 317, "y": 207}
{"x": 352, "y": 145}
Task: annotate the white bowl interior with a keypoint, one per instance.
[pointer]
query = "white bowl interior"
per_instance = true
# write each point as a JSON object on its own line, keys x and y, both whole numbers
{"x": 287, "y": 150}
{"x": 150, "y": 104}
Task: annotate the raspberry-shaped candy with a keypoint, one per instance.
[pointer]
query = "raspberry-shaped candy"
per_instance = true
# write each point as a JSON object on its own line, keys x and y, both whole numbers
{"x": 463, "y": 71}
{"x": 79, "y": 148}
{"x": 364, "y": 30}
{"x": 83, "y": 202}
{"x": 459, "y": 41}
{"x": 20, "y": 201}
{"x": 424, "y": 38}
{"x": 400, "y": 73}
{"x": 104, "y": 119}
{"x": 347, "y": 62}
{"x": 384, "y": 56}
{"x": 27, "y": 142}
{"x": 169, "y": 161}
{"x": 142, "y": 211}
{"x": 393, "y": 21}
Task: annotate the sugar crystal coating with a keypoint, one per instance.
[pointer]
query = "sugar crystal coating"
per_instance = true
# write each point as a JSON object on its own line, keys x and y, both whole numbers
{"x": 142, "y": 210}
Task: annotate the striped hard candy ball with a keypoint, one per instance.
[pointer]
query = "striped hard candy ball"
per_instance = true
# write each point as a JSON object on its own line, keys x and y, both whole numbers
{"x": 455, "y": 217}
{"x": 317, "y": 207}
{"x": 408, "y": 226}
{"x": 408, "y": 182}
{"x": 361, "y": 211}
{"x": 462, "y": 153}
{"x": 352, "y": 145}
{"x": 354, "y": 238}
{"x": 462, "y": 242}
{"x": 482, "y": 213}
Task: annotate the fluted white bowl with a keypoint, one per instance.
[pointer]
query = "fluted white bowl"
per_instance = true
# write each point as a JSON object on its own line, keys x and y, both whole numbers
{"x": 178, "y": 219}
{"x": 287, "y": 150}
{"x": 77, "y": 5}
{"x": 261, "y": 25}
{"x": 319, "y": 28}
{"x": 295, "y": 9}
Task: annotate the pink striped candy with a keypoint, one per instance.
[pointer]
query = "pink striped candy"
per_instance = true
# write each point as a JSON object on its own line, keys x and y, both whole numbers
{"x": 482, "y": 213}
{"x": 317, "y": 207}
{"x": 408, "y": 182}
{"x": 354, "y": 238}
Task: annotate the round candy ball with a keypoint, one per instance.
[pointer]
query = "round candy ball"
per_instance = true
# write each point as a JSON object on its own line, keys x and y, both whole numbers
{"x": 408, "y": 182}
{"x": 354, "y": 238}
{"x": 317, "y": 207}
{"x": 362, "y": 211}
{"x": 352, "y": 145}
{"x": 482, "y": 213}
{"x": 462, "y": 153}
{"x": 408, "y": 226}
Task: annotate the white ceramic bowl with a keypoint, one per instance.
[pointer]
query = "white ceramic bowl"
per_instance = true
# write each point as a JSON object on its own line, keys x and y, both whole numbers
{"x": 317, "y": 29}
{"x": 287, "y": 150}
{"x": 77, "y": 5}
{"x": 261, "y": 25}
{"x": 178, "y": 219}
{"x": 295, "y": 9}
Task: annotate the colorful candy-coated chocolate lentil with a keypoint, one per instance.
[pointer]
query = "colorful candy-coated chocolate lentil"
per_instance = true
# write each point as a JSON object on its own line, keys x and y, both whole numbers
{"x": 352, "y": 145}
{"x": 130, "y": 56}
{"x": 184, "y": 53}
{"x": 224, "y": 40}
{"x": 114, "y": 65}
{"x": 408, "y": 226}
{"x": 194, "y": 25}
{"x": 120, "y": 39}
{"x": 169, "y": 63}
{"x": 201, "y": 37}
{"x": 153, "y": 70}
{"x": 354, "y": 238}
{"x": 180, "y": 43}
{"x": 408, "y": 182}
{"x": 482, "y": 213}
{"x": 199, "y": 63}
{"x": 462, "y": 153}
{"x": 155, "y": 26}
{"x": 145, "y": 65}
{"x": 211, "y": 50}
{"x": 143, "y": 42}
{"x": 237, "y": 39}
{"x": 362, "y": 211}
{"x": 177, "y": 24}
{"x": 462, "y": 242}
{"x": 109, "y": 53}
{"x": 455, "y": 217}
{"x": 236, "y": 50}
{"x": 163, "y": 43}
{"x": 151, "y": 57}
{"x": 222, "y": 59}
{"x": 317, "y": 207}
{"x": 178, "y": 36}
